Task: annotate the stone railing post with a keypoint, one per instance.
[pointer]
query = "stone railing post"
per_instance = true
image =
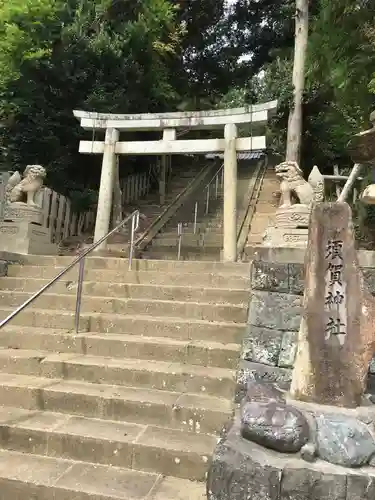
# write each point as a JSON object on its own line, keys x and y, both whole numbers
{"x": 103, "y": 215}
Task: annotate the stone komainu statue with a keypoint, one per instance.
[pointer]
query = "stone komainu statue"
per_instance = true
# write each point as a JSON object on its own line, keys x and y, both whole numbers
{"x": 23, "y": 189}
{"x": 294, "y": 185}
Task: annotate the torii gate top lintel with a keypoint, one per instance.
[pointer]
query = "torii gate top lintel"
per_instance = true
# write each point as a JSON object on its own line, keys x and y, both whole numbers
{"x": 259, "y": 113}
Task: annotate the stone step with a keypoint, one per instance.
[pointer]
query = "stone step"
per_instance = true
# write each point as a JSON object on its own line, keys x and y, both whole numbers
{"x": 178, "y": 410}
{"x": 213, "y": 279}
{"x": 259, "y": 226}
{"x": 161, "y": 375}
{"x": 203, "y": 226}
{"x": 132, "y": 291}
{"x": 139, "y": 307}
{"x": 133, "y": 446}
{"x": 210, "y": 235}
{"x": 208, "y": 220}
{"x": 193, "y": 245}
{"x": 255, "y": 239}
{"x": 209, "y": 239}
{"x": 119, "y": 264}
{"x": 187, "y": 253}
{"x": 150, "y": 326}
{"x": 202, "y": 353}
{"x": 33, "y": 477}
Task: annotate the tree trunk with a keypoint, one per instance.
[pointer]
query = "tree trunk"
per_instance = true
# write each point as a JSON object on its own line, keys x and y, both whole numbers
{"x": 293, "y": 148}
{"x": 117, "y": 197}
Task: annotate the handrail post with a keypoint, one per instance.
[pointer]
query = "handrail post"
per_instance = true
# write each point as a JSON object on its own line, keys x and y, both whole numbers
{"x": 76, "y": 261}
{"x": 135, "y": 226}
{"x": 195, "y": 217}
{"x": 208, "y": 198}
{"x": 179, "y": 233}
{"x": 216, "y": 185}
{"x": 81, "y": 272}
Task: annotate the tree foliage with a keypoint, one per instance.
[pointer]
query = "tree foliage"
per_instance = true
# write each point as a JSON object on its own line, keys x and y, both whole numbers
{"x": 340, "y": 87}
{"x": 79, "y": 54}
{"x": 149, "y": 55}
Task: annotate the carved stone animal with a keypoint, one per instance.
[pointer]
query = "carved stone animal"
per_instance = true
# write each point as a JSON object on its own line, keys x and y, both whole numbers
{"x": 293, "y": 183}
{"x": 23, "y": 190}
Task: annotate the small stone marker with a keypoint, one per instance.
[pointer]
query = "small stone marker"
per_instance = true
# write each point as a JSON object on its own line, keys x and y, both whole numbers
{"x": 337, "y": 335}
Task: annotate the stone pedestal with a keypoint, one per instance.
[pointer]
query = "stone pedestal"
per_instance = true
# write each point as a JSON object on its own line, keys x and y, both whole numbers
{"x": 23, "y": 237}
{"x": 242, "y": 470}
{"x": 22, "y": 232}
{"x": 280, "y": 449}
{"x": 290, "y": 228}
{"x": 285, "y": 237}
{"x": 15, "y": 212}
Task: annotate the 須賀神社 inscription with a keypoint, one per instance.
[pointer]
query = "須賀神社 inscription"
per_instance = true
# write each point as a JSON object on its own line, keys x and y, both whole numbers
{"x": 335, "y": 292}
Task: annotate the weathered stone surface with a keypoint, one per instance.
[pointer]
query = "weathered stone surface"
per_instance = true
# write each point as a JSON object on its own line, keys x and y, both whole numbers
{"x": 249, "y": 371}
{"x": 270, "y": 277}
{"x": 369, "y": 279}
{"x": 262, "y": 345}
{"x": 296, "y": 274}
{"x": 336, "y": 339}
{"x": 309, "y": 484}
{"x": 262, "y": 392}
{"x": 242, "y": 470}
{"x": 288, "y": 350}
{"x": 360, "y": 487}
{"x": 294, "y": 216}
{"x": 308, "y": 452}
{"x": 279, "y": 311}
{"x": 3, "y": 268}
{"x": 286, "y": 236}
{"x": 344, "y": 440}
{"x": 274, "y": 425}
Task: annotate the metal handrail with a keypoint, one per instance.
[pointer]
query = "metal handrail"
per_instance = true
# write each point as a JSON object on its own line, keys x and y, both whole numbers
{"x": 206, "y": 188}
{"x": 79, "y": 260}
{"x": 214, "y": 177}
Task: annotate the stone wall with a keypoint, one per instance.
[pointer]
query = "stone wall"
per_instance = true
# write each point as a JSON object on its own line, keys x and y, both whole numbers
{"x": 275, "y": 312}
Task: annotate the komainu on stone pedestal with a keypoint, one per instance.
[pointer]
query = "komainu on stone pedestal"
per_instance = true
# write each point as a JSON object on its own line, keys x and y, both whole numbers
{"x": 23, "y": 190}
{"x": 23, "y": 219}
{"x": 293, "y": 184}
{"x": 297, "y": 196}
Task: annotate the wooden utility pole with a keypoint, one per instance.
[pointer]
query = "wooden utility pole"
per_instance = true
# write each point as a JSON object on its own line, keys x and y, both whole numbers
{"x": 293, "y": 148}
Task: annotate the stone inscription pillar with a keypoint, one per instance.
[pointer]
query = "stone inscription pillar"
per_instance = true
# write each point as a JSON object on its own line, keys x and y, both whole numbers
{"x": 336, "y": 340}
{"x": 230, "y": 194}
{"x": 103, "y": 215}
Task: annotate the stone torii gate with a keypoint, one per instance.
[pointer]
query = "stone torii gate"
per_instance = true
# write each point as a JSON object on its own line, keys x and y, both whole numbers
{"x": 168, "y": 124}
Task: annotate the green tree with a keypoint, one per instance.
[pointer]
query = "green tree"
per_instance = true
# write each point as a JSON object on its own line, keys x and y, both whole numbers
{"x": 93, "y": 55}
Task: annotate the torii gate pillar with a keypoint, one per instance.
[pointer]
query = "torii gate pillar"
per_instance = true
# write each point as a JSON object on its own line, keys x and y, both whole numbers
{"x": 103, "y": 216}
{"x": 230, "y": 194}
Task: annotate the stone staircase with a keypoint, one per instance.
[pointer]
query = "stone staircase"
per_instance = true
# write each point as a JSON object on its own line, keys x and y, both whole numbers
{"x": 131, "y": 407}
{"x": 150, "y": 207}
{"x": 265, "y": 209}
{"x": 207, "y": 242}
